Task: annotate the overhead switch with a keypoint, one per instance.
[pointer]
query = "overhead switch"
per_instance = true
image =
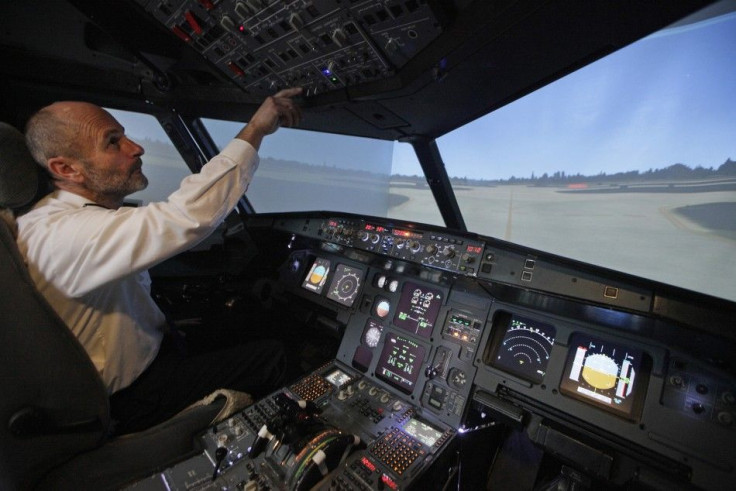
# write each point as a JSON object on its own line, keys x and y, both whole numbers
{"x": 339, "y": 37}
{"x": 296, "y": 22}
{"x": 255, "y": 5}
{"x": 227, "y": 23}
{"x": 242, "y": 10}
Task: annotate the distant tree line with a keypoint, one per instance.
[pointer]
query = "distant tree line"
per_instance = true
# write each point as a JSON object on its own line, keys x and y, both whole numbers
{"x": 675, "y": 172}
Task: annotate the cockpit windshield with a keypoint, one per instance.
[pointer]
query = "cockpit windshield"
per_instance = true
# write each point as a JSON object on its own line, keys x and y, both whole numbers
{"x": 628, "y": 163}
{"x": 307, "y": 171}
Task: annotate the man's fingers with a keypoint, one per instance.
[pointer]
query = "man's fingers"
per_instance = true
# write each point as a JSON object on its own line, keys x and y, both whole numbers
{"x": 289, "y": 112}
{"x": 290, "y": 92}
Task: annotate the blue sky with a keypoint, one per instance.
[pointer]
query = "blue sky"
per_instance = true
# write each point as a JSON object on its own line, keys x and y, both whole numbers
{"x": 670, "y": 98}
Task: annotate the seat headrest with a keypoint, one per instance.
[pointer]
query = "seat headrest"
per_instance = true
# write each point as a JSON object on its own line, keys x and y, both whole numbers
{"x": 19, "y": 173}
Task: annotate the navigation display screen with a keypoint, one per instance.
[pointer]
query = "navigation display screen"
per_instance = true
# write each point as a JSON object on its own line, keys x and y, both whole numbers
{"x": 317, "y": 276}
{"x": 423, "y": 432}
{"x": 418, "y": 309}
{"x": 400, "y": 362}
{"x": 345, "y": 285}
{"x": 605, "y": 374}
{"x": 525, "y": 348}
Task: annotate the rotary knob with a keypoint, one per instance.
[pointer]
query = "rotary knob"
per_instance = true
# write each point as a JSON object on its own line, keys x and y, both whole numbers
{"x": 449, "y": 252}
{"x": 457, "y": 377}
{"x": 431, "y": 249}
{"x": 468, "y": 258}
{"x": 415, "y": 246}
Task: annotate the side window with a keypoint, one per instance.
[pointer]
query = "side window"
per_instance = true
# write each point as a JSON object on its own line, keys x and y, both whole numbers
{"x": 162, "y": 164}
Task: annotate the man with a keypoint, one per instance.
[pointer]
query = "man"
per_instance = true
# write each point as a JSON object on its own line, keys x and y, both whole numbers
{"x": 88, "y": 255}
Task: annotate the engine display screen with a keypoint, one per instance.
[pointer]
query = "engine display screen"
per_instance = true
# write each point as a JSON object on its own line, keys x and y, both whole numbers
{"x": 317, "y": 276}
{"x": 345, "y": 285}
{"x": 400, "y": 362}
{"x": 421, "y": 431}
{"x": 605, "y": 374}
{"x": 418, "y": 309}
{"x": 525, "y": 348}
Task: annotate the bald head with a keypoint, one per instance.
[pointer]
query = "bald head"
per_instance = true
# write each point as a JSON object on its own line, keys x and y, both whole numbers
{"x": 54, "y": 131}
{"x": 86, "y": 152}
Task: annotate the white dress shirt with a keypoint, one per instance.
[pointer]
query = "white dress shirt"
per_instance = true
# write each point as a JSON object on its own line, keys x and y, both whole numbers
{"x": 91, "y": 264}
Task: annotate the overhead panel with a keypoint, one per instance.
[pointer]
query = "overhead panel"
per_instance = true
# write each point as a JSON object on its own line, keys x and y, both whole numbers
{"x": 321, "y": 45}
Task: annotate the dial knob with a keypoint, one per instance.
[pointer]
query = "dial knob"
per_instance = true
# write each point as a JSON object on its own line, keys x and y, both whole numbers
{"x": 415, "y": 246}
{"x": 457, "y": 377}
{"x": 431, "y": 249}
{"x": 449, "y": 252}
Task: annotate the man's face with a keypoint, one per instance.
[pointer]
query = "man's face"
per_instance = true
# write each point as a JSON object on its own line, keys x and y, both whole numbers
{"x": 111, "y": 161}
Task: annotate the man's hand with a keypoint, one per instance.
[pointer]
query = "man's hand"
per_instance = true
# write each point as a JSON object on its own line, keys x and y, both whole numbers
{"x": 276, "y": 110}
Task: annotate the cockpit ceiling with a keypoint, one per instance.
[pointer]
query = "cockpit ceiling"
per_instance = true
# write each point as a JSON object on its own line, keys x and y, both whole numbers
{"x": 386, "y": 69}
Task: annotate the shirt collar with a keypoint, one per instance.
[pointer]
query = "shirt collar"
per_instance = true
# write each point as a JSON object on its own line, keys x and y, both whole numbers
{"x": 70, "y": 198}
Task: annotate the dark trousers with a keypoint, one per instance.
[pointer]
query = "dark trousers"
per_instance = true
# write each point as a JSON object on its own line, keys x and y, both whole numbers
{"x": 175, "y": 379}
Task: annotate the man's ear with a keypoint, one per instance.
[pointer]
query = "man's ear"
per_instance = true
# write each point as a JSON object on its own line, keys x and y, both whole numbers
{"x": 65, "y": 169}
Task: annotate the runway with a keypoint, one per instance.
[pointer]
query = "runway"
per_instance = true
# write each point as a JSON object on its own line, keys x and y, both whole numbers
{"x": 641, "y": 233}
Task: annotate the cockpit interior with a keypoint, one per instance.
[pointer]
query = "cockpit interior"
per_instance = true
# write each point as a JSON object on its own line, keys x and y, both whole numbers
{"x": 500, "y": 246}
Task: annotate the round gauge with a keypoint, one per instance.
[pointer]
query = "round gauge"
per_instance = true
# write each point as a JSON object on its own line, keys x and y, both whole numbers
{"x": 345, "y": 285}
{"x": 381, "y": 281}
{"x": 383, "y": 307}
{"x": 372, "y": 336}
{"x": 457, "y": 377}
{"x": 346, "y": 288}
{"x": 600, "y": 371}
{"x": 525, "y": 348}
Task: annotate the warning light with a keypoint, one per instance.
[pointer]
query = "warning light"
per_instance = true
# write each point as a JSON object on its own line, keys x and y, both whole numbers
{"x": 193, "y": 21}
{"x": 326, "y": 71}
{"x": 388, "y": 482}
{"x": 237, "y": 71}
{"x": 182, "y": 35}
{"x": 368, "y": 464}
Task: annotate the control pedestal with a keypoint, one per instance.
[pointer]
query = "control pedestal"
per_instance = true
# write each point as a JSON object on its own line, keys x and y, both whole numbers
{"x": 333, "y": 429}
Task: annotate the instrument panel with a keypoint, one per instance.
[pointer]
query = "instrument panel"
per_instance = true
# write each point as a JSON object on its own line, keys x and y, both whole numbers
{"x": 427, "y": 349}
{"x": 321, "y": 45}
{"x": 438, "y": 335}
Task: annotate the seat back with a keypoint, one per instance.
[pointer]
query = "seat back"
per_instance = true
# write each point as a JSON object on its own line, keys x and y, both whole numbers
{"x": 53, "y": 404}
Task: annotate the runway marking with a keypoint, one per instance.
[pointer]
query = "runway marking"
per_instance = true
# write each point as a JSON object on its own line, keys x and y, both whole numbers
{"x": 693, "y": 228}
{"x": 673, "y": 219}
{"x": 507, "y": 234}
